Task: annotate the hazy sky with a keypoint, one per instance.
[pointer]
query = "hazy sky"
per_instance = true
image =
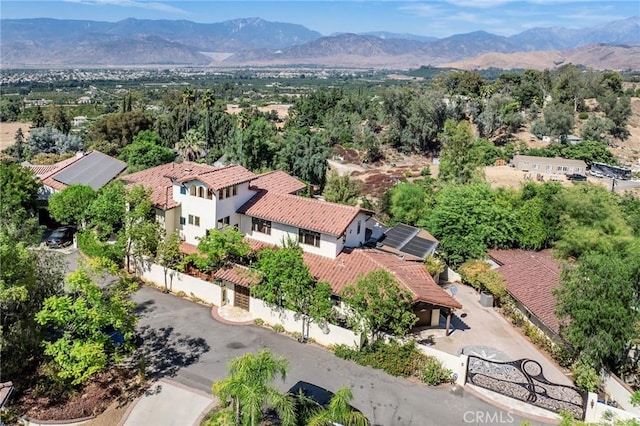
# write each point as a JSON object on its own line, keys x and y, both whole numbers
{"x": 435, "y": 18}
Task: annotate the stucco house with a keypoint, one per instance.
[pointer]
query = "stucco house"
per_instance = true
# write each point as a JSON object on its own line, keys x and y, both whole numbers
{"x": 193, "y": 198}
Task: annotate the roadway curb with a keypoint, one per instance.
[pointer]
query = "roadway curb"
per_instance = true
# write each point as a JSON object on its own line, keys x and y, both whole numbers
{"x": 216, "y": 316}
{"x": 509, "y": 409}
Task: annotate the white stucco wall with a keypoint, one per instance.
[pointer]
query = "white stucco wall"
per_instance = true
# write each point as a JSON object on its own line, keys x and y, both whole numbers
{"x": 331, "y": 335}
{"x": 280, "y": 232}
{"x": 177, "y": 281}
{"x": 204, "y": 208}
{"x": 355, "y": 239}
{"x": 229, "y": 206}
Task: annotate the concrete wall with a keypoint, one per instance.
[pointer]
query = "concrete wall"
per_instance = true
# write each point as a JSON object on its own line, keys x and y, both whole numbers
{"x": 329, "y": 335}
{"x": 603, "y": 413}
{"x": 619, "y": 392}
{"x": 457, "y": 364}
{"x": 177, "y": 281}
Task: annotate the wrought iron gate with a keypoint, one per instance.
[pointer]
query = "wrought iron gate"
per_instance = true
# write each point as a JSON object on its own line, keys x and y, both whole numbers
{"x": 523, "y": 380}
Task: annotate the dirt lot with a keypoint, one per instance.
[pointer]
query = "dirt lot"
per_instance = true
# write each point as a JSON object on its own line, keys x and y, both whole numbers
{"x": 8, "y": 132}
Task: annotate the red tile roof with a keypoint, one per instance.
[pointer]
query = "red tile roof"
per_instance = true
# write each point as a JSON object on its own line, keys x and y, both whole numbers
{"x": 531, "y": 277}
{"x": 347, "y": 268}
{"x": 351, "y": 264}
{"x": 277, "y": 181}
{"x": 220, "y": 177}
{"x": 237, "y": 274}
{"x": 301, "y": 212}
{"x": 159, "y": 179}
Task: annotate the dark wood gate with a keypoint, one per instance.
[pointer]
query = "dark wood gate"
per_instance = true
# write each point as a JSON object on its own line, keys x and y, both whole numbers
{"x": 523, "y": 380}
{"x": 241, "y": 299}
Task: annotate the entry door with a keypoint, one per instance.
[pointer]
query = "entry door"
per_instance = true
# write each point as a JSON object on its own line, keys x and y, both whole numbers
{"x": 241, "y": 299}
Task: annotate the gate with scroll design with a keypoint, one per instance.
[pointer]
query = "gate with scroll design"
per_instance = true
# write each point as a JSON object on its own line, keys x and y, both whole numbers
{"x": 523, "y": 380}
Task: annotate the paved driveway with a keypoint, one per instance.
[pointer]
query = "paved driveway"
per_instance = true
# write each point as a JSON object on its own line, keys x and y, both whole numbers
{"x": 184, "y": 343}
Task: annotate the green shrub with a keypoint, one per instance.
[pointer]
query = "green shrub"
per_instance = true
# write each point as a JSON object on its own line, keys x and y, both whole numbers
{"x": 425, "y": 172}
{"x": 583, "y": 116}
{"x": 434, "y": 265}
{"x": 258, "y": 321}
{"x": 297, "y": 335}
{"x": 432, "y": 372}
{"x": 635, "y": 399}
{"x": 181, "y": 294}
{"x": 586, "y": 377}
{"x": 402, "y": 360}
{"x": 89, "y": 244}
{"x": 278, "y": 328}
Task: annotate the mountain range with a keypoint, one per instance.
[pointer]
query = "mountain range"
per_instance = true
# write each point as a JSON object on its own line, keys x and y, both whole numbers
{"x": 254, "y": 41}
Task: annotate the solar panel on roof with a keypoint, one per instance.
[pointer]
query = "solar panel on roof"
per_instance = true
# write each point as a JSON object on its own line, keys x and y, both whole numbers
{"x": 94, "y": 169}
{"x": 399, "y": 235}
{"x": 418, "y": 246}
{"x": 404, "y": 238}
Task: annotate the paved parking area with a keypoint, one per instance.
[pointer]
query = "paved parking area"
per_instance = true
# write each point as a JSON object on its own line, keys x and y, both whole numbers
{"x": 486, "y": 333}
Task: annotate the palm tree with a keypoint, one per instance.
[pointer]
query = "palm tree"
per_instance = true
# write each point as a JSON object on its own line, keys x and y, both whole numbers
{"x": 188, "y": 98}
{"x": 248, "y": 387}
{"x": 192, "y": 146}
{"x": 208, "y": 102}
{"x": 338, "y": 412}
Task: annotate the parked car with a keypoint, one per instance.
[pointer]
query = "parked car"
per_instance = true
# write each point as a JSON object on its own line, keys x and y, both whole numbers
{"x": 576, "y": 177}
{"x": 61, "y": 237}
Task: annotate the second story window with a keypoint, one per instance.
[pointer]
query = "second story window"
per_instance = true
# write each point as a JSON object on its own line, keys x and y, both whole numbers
{"x": 235, "y": 190}
{"x": 310, "y": 238}
{"x": 192, "y": 191}
{"x": 223, "y": 222}
{"x": 183, "y": 190}
{"x": 220, "y": 194}
{"x": 260, "y": 225}
{"x": 201, "y": 191}
{"x": 194, "y": 220}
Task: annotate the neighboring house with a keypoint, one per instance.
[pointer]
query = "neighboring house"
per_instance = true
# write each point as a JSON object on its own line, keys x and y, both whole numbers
{"x": 556, "y": 165}
{"x": 193, "y": 198}
{"x": 79, "y": 120}
{"x": 93, "y": 168}
{"x": 572, "y": 139}
{"x": 530, "y": 278}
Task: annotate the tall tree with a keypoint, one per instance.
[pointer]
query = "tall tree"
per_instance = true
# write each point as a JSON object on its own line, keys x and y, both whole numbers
{"x": 253, "y": 146}
{"x": 286, "y": 281}
{"x": 146, "y": 151}
{"x": 60, "y": 120}
{"x": 192, "y": 146}
{"x": 27, "y": 278}
{"x": 208, "y": 101}
{"x": 304, "y": 155}
{"x": 71, "y": 205}
{"x": 188, "y": 98}
{"x": 558, "y": 120}
{"x": 249, "y": 388}
{"x": 377, "y": 304}
{"x": 141, "y": 228}
{"x": 18, "y": 144}
{"x": 599, "y": 301}
{"x": 468, "y": 219}
{"x": 458, "y": 161}
{"x": 84, "y": 323}
{"x": 107, "y": 211}
{"x": 19, "y": 202}
{"x": 342, "y": 189}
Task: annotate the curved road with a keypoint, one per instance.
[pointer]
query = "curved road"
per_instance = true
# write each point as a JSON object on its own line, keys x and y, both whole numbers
{"x": 183, "y": 341}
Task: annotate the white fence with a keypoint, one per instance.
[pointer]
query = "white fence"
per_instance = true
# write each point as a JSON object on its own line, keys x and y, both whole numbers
{"x": 212, "y": 293}
{"x": 329, "y": 334}
{"x": 177, "y": 281}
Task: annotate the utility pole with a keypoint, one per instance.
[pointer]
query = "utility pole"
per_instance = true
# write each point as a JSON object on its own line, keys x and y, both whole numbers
{"x": 613, "y": 184}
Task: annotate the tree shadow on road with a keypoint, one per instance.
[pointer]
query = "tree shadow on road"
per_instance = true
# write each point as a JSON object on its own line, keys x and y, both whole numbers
{"x": 165, "y": 352}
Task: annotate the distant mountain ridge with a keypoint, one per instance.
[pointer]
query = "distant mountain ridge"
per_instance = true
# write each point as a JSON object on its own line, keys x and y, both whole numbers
{"x": 254, "y": 41}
